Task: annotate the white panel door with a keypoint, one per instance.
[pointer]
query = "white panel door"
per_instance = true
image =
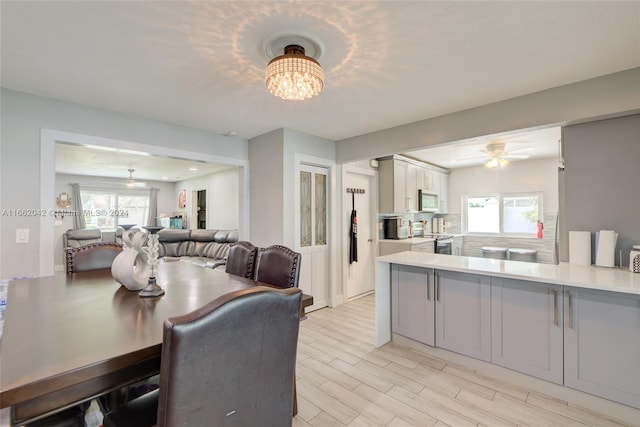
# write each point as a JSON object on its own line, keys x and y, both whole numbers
{"x": 360, "y": 273}
{"x": 312, "y": 232}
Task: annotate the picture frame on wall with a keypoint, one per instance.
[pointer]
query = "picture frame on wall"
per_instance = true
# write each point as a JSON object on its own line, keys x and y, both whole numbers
{"x": 182, "y": 199}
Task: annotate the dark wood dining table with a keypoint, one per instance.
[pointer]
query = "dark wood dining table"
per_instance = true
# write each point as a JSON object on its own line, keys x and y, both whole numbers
{"x": 69, "y": 338}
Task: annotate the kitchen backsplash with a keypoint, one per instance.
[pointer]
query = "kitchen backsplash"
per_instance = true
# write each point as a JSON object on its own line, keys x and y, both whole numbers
{"x": 472, "y": 245}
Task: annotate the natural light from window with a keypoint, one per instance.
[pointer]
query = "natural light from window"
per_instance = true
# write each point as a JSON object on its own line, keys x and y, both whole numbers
{"x": 513, "y": 214}
{"x": 108, "y": 209}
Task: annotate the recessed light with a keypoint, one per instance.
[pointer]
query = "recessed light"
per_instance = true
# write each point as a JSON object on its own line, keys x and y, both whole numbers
{"x": 192, "y": 169}
{"x": 165, "y": 177}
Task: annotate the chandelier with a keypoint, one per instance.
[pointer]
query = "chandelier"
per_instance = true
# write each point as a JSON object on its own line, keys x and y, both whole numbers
{"x": 294, "y": 75}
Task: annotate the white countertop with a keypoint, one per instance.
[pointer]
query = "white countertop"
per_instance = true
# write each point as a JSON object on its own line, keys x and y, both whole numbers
{"x": 409, "y": 241}
{"x": 592, "y": 277}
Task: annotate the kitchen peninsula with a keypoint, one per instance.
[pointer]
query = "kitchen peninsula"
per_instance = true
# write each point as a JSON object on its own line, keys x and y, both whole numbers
{"x": 575, "y": 326}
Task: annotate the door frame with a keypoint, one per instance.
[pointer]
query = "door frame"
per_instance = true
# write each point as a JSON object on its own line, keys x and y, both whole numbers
{"x": 332, "y": 217}
{"x": 344, "y": 224}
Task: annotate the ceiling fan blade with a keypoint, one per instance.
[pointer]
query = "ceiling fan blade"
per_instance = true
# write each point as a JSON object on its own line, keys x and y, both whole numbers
{"x": 529, "y": 148}
{"x": 462, "y": 159}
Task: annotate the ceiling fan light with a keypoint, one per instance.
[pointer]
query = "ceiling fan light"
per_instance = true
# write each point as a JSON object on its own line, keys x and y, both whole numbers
{"x": 494, "y": 163}
{"x": 294, "y": 75}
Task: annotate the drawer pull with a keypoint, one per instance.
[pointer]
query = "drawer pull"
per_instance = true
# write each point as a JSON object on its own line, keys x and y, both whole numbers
{"x": 570, "y": 310}
{"x": 555, "y": 307}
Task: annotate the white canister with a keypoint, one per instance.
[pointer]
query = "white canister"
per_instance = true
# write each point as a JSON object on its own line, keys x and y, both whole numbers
{"x": 634, "y": 259}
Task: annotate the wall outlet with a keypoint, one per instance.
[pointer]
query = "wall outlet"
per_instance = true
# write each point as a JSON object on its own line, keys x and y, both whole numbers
{"x": 22, "y": 235}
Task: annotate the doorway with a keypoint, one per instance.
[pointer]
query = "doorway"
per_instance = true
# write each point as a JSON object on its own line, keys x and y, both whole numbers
{"x": 201, "y": 207}
{"x": 359, "y": 274}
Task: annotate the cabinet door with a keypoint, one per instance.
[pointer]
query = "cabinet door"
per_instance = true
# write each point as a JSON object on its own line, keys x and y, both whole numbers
{"x": 456, "y": 245}
{"x": 411, "y": 188}
{"x": 428, "y": 247}
{"x": 388, "y": 248}
{"x": 444, "y": 193}
{"x": 463, "y": 313}
{"x": 602, "y": 344}
{"x": 526, "y": 327}
{"x": 412, "y": 311}
{"x": 400, "y": 202}
{"x": 425, "y": 179}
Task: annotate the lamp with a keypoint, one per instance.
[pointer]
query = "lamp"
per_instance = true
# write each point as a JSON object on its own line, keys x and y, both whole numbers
{"x": 294, "y": 75}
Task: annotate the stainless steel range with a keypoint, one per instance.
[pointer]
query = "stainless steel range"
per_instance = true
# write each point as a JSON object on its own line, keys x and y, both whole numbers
{"x": 443, "y": 243}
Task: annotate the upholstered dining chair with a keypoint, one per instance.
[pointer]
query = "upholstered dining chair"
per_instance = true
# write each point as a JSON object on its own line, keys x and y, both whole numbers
{"x": 278, "y": 265}
{"x": 241, "y": 260}
{"x": 94, "y": 256}
{"x": 228, "y": 363}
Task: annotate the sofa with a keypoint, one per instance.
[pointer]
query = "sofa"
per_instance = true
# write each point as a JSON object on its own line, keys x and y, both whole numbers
{"x": 206, "y": 248}
{"x": 86, "y": 236}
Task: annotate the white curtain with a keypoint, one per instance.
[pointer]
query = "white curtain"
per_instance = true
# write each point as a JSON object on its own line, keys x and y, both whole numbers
{"x": 78, "y": 220}
{"x": 153, "y": 207}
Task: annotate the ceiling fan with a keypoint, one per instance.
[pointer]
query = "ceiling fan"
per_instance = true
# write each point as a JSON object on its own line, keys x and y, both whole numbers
{"x": 497, "y": 156}
{"x": 132, "y": 183}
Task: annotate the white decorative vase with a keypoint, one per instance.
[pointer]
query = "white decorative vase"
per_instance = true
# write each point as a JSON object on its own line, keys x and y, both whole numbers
{"x": 130, "y": 267}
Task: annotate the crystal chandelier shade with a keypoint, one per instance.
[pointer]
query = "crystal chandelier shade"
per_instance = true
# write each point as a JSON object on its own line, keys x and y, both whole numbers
{"x": 294, "y": 75}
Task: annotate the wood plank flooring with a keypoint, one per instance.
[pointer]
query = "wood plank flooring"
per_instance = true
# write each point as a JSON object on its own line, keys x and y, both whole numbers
{"x": 343, "y": 380}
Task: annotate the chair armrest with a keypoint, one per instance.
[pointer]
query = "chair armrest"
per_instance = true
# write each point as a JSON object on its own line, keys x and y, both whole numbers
{"x": 216, "y": 264}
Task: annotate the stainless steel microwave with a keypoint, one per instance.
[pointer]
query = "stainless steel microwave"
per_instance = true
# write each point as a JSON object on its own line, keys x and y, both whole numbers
{"x": 428, "y": 201}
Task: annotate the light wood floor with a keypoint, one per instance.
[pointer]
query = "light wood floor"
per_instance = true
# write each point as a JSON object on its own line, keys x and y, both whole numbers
{"x": 343, "y": 380}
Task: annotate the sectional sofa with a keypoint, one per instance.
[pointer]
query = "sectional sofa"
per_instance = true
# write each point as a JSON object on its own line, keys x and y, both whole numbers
{"x": 206, "y": 248}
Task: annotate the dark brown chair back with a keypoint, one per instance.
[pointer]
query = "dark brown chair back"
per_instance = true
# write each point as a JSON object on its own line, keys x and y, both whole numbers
{"x": 231, "y": 362}
{"x": 228, "y": 363}
{"x": 94, "y": 256}
{"x": 278, "y": 265}
{"x": 241, "y": 259}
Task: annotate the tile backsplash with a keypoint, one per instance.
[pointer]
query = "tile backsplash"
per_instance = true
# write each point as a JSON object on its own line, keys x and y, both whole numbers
{"x": 472, "y": 245}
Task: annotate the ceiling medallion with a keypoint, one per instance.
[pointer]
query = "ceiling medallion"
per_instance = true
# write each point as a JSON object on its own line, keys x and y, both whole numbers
{"x": 294, "y": 75}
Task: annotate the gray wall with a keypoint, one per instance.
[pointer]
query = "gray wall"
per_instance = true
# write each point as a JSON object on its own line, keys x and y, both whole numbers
{"x": 578, "y": 102}
{"x": 266, "y": 188}
{"x": 272, "y": 181}
{"x": 599, "y": 186}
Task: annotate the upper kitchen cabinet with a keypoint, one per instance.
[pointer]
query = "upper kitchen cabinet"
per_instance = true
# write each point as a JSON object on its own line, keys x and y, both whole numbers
{"x": 400, "y": 178}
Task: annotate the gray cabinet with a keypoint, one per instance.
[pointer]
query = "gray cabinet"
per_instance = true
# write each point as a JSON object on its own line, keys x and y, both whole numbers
{"x": 400, "y": 178}
{"x": 388, "y": 248}
{"x": 602, "y": 344}
{"x": 397, "y": 184}
{"x": 412, "y": 311}
{"x": 463, "y": 313}
{"x": 444, "y": 192}
{"x": 456, "y": 245}
{"x": 526, "y": 327}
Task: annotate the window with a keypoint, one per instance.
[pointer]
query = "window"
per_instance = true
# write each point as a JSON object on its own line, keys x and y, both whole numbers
{"x": 106, "y": 209}
{"x": 513, "y": 214}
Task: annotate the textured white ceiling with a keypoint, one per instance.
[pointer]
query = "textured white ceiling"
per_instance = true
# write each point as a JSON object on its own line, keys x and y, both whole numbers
{"x": 201, "y": 64}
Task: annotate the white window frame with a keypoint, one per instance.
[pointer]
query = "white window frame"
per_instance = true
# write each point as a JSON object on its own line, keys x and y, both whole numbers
{"x": 118, "y": 192}
{"x": 501, "y": 197}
